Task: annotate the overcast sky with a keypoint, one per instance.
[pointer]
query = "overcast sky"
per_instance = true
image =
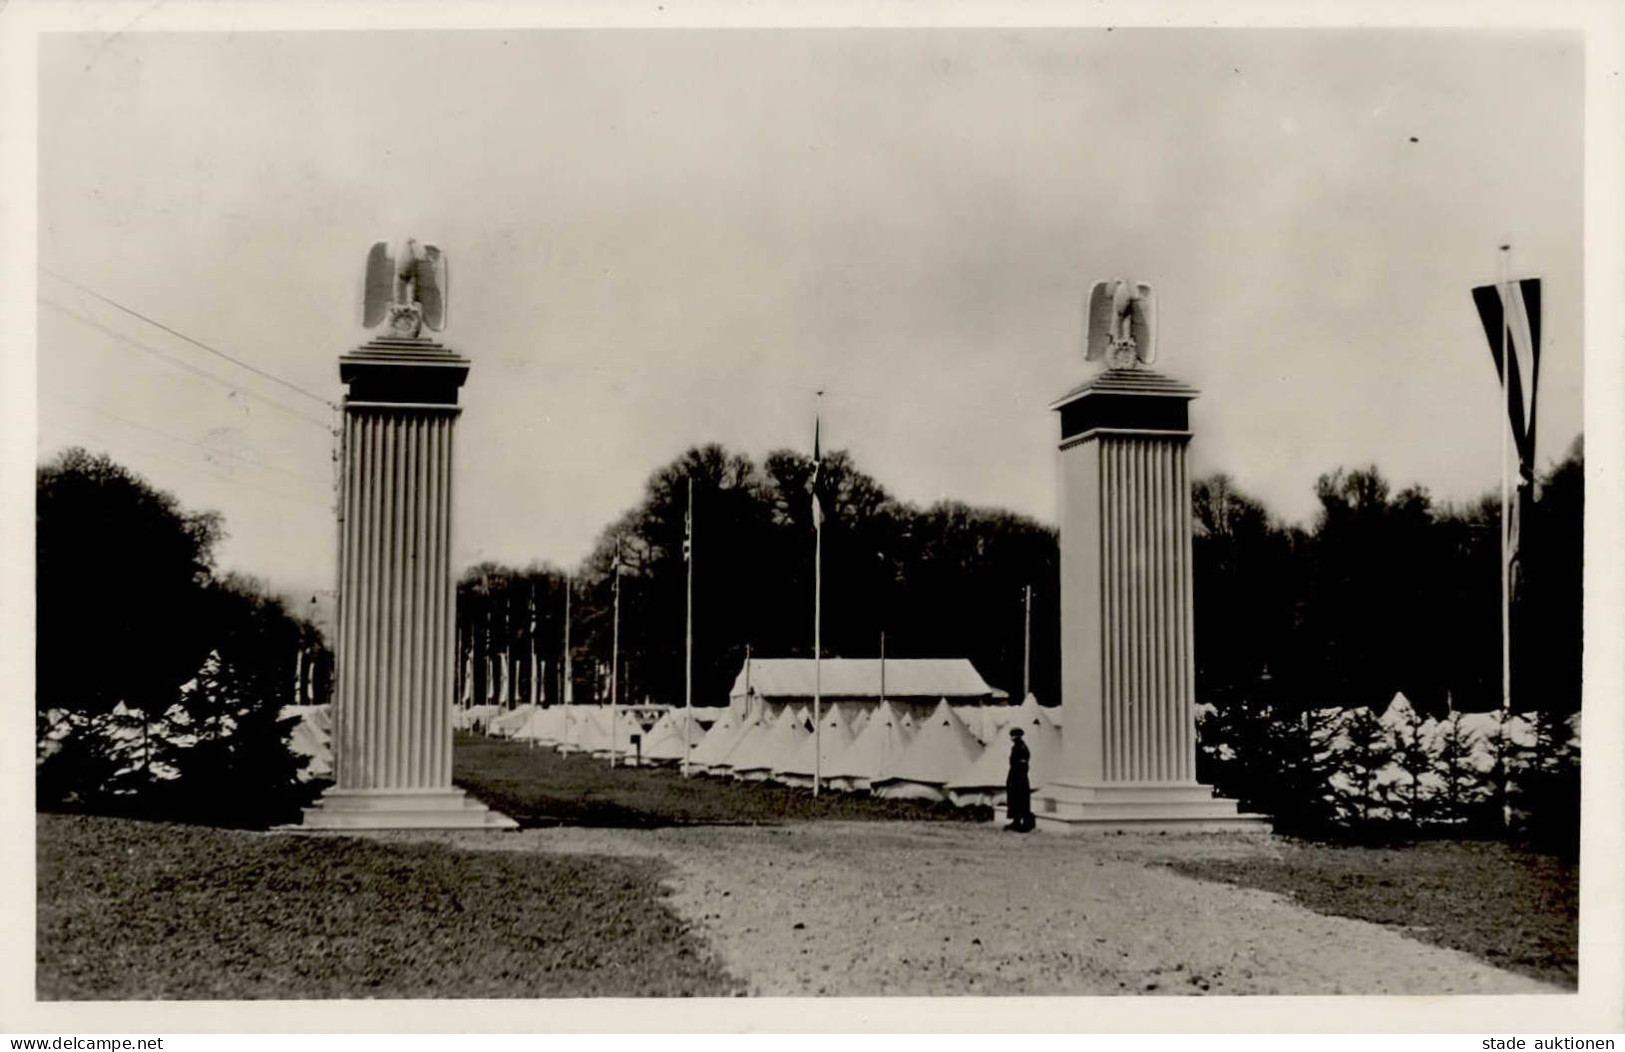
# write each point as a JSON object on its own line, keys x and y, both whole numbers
{"x": 663, "y": 238}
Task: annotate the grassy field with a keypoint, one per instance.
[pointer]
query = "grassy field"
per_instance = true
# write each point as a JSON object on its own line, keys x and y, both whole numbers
{"x": 131, "y": 910}
{"x": 1513, "y": 908}
{"x": 536, "y": 786}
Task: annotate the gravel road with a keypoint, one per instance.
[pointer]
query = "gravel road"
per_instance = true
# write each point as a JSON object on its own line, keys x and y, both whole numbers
{"x": 868, "y": 908}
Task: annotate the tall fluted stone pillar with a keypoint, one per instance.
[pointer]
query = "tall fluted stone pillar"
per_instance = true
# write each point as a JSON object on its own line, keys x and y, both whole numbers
{"x": 392, "y": 732}
{"x": 1127, "y": 662}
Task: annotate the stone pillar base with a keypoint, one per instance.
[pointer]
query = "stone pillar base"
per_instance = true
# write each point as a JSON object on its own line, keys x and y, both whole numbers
{"x": 339, "y": 810}
{"x": 1157, "y": 807}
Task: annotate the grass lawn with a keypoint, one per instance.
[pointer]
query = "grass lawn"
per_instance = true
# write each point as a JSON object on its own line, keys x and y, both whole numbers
{"x": 536, "y": 786}
{"x": 1513, "y": 908}
{"x": 150, "y": 910}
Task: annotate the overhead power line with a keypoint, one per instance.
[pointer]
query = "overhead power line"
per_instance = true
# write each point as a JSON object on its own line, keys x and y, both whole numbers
{"x": 189, "y": 367}
{"x": 211, "y": 451}
{"x": 189, "y": 339}
{"x": 211, "y": 471}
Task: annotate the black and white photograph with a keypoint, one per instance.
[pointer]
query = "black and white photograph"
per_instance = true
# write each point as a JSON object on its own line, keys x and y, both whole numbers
{"x": 552, "y": 507}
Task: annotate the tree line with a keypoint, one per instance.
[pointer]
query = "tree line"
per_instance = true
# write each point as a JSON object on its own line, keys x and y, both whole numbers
{"x": 943, "y": 581}
{"x": 1386, "y": 593}
{"x": 1382, "y": 592}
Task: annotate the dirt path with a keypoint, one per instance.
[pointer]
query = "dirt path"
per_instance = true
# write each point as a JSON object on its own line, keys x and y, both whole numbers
{"x": 862, "y": 909}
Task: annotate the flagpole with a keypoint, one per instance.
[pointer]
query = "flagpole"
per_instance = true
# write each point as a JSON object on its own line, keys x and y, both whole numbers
{"x": 1027, "y": 646}
{"x": 1506, "y": 521}
{"x": 818, "y": 672}
{"x": 615, "y": 657}
{"x": 688, "y": 641}
{"x": 818, "y": 611}
{"x": 565, "y": 689}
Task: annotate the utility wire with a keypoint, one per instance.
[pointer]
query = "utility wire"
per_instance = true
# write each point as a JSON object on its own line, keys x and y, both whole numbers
{"x": 283, "y": 494}
{"x": 190, "y": 442}
{"x": 92, "y": 323}
{"x": 194, "y": 342}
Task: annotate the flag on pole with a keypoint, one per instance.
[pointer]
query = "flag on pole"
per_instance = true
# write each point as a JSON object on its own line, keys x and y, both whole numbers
{"x": 1518, "y": 319}
{"x": 688, "y": 525}
{"x": 817, "y": 481}
{"x": 1510, "y": 313}
{"x": 1511, "y": 317}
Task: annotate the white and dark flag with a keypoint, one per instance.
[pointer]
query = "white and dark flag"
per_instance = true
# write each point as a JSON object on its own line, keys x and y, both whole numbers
{"x": 1514, "y": 310}
{"x": 817, "y": 481}
{"x": 1511, "y": 317}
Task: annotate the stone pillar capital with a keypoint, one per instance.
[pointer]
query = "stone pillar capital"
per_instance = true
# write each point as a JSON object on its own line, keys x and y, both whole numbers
{"x": 405, "y": 371}
{"x": 1125, "y": 400}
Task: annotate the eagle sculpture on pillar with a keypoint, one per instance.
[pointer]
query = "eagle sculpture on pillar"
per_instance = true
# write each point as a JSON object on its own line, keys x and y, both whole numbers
{"x": 408, "y": 286}
{"x": 1122, "y": 324}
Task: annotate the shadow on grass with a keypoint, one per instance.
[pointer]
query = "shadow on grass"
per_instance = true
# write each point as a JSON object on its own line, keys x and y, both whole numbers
{"x": 538, "y": 787}
{"x": 191, "y": 805}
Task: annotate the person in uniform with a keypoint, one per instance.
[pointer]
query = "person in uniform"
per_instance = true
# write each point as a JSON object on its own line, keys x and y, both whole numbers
{"x": 1018, "y": 792}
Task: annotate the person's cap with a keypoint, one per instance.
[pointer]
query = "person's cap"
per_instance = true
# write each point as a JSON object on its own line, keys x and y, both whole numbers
{"x": 1015, "y": 732}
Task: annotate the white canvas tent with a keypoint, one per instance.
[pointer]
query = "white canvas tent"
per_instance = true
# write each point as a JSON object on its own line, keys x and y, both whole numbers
{"x": 987, "y": 722}
{"x": 942, "y": 749}
{"x": 743, "y": 747}
{"x": 983, "y": 782}
{"x": 664, "y": 742}
{"x": 858, "y": 717}
{"x": 906, "y": 680}
{"x": 586, "y": 729}
{"x": 836, "y": 734}
{"x": 505, "y": 724}
{"x": 772, "y": 746}
{"x": 474, "y": 715}
{"x": 313, "y": 737}
{"x": 873, "y": 753}
{"x": 320, "y": 717}
{"x": 1492, "y": 733}
{"x": 626, "y": 725}
{"x": 718, "y": 741}
{"x": 545, "y": 725}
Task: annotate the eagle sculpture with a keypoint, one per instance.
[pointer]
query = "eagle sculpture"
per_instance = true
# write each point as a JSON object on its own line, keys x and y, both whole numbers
{"x": 1122, "y": 324}
{"x": 408, "y": 287}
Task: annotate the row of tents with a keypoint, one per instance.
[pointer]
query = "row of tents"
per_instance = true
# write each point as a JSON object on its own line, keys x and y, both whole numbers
{"x": 894, "y": 751}
{"x": 955, "y": 754}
